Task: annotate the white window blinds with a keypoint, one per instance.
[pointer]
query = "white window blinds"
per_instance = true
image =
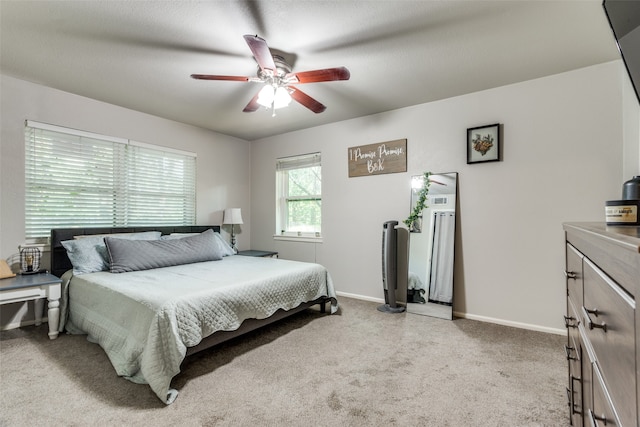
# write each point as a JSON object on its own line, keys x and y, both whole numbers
{"x": 298, "y": 162}
{"x": 75, "y": 178}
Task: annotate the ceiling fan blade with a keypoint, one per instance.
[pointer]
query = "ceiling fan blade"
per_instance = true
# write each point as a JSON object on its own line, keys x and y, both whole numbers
{"x": 307, "y": 101}
{"x": 325, "y": 75}
{"x": 261, "y": 52}
{"x": 252, "y": 105}
{"x": 214, "y": 77}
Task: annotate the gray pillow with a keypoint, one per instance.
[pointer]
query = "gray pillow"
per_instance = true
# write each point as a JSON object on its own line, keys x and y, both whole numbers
{"x": 88, "y": 253}
{"x": 225, "y": 247}
{"x": 134, "y": 255}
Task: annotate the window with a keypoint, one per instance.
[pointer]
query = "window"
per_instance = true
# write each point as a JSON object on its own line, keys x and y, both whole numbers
{"x": 299, "y": 196}
{"x": 75, "y": 178}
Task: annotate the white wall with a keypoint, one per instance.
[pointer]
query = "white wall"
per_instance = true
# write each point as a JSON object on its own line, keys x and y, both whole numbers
{"x": 563, "y": 158}
{"x": 570, "y": 141}
{"x": 631, "y": 128}
{"x": 223, "y": 165}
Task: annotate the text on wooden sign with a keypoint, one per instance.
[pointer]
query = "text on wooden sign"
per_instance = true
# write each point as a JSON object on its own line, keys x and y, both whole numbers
{"x": 376, "y": 159}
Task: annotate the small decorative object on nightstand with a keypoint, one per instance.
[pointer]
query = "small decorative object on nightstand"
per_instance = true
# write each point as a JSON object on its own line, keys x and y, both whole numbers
{"x": 261, "y": 254}
{"x": 35, "y": 287}
{"x": 29, "y": 260}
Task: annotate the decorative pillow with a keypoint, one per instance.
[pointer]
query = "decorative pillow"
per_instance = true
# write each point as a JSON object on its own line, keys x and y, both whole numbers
{"x": 134, "y": 255}
{"x": 224, "y": 246}
{"x": 88, "y": 253}
{"x": 174, "y": 236}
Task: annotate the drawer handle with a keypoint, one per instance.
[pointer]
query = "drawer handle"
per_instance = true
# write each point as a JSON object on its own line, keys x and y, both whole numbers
{"x": 571, "y": 322}
{"x": 567, "y": 351}
{"x": 571, "y": 392}
{"x": 594, "y": 419}
{"x": 570, "y": 275}
{"x": 569, "y": 403}
{"x": 595, "y": 312}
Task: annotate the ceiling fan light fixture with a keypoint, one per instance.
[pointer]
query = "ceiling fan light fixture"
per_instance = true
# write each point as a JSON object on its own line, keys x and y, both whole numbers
{"x": 277, "y": 76}
{"x": 266, "y": 96}
{"x": 282, "y": 98}
{"x": 274, "y": 97}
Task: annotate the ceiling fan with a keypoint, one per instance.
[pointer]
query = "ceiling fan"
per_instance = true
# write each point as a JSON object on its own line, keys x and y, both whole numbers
{"x": 280, "y": 82}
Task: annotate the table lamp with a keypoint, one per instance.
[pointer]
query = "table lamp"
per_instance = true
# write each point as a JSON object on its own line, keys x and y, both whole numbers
{"x": 232, "y": 216}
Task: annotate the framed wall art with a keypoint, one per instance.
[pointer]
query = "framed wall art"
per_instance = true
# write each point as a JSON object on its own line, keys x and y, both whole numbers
{"x": 483, "y": 144}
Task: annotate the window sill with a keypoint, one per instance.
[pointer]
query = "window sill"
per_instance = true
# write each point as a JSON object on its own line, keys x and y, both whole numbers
{"x": 306, "y": 239}
{"x": 44, "y": 247}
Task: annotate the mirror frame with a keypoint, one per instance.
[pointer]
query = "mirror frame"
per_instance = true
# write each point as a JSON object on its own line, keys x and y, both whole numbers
{"x": 421, "y": 245}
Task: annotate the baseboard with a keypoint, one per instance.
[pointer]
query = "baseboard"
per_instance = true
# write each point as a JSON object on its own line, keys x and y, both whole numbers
{"x": 513, "y": 324}
{"x": 360, "y": 297}
{"x": 485, "y": 319}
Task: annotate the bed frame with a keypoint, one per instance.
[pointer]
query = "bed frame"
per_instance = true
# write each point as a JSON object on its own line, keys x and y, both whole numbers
{"x": 60, "y": 263}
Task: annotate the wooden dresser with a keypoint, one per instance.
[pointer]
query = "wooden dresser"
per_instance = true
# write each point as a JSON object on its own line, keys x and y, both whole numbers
{"x": 603, "y": 328}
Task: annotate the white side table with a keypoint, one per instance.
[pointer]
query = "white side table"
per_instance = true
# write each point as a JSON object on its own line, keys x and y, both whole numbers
{"x": 35, "y": 287}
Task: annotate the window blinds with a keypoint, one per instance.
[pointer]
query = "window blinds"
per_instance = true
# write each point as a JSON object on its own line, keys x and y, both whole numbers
{"x": 75, "y": 178}
{"x": 297, "y": 162}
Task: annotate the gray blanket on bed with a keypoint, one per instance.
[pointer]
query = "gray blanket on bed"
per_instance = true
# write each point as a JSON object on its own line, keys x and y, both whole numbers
{"x": 145, "y": 320}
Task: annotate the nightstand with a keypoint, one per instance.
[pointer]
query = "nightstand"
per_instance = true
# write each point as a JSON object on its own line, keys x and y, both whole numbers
{"x": 35, "y": 287}
{"x": 261, "y": 254}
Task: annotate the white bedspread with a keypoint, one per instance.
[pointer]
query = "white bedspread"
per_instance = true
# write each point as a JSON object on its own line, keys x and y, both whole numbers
{"x": 145, "y": 320}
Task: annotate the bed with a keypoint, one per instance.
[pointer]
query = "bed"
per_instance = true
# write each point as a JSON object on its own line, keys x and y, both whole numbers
{"x": 164, "y": 293}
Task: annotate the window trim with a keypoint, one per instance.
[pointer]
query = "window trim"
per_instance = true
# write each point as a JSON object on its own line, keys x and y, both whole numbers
{"x": 285, "y": 164}
{"x": 295, "y": 238}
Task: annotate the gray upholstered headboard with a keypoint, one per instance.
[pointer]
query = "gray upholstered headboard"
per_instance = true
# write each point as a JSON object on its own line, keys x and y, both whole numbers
{"x": 60, "y": 262}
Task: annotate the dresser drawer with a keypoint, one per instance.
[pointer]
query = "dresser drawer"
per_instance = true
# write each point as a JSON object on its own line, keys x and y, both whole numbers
{"x": 608, "y": 316}
{"x": 573, "y": 274}
{"x": 573, "y": 353}
{"x": 602, "y": 413}
{"x": 572, "y": 321}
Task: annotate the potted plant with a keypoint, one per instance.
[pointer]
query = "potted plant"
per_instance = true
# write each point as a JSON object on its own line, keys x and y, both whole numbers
{"x": 413, "y": 220}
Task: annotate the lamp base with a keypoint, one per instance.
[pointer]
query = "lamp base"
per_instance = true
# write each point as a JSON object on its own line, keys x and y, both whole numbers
{"x": 233, "y": 240}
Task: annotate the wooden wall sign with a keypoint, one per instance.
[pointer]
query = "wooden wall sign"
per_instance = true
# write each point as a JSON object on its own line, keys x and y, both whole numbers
{"x": 376, "y": 159}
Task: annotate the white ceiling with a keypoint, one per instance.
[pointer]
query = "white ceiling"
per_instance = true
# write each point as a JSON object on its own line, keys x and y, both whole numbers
{"x": 140, "y": 54}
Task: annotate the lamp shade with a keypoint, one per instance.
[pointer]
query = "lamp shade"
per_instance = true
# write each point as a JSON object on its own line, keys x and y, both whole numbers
{"x": 281, "y": 98}
{"x": 272, "y": 96}
{"x": 265, "y": 97}
{"x": 232, "y": 216}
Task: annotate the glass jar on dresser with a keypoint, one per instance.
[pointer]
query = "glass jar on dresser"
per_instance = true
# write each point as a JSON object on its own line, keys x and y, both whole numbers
{"x": 603, "y": 343}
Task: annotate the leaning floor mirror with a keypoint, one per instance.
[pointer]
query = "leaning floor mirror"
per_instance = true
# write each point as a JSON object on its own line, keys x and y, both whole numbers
{"x": 431, "y": 247}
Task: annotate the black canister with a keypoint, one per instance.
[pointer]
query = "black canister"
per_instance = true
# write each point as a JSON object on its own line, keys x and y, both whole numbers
{"x": 631, "y": 189}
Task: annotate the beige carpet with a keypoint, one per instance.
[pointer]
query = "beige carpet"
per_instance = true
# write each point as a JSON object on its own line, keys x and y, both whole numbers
{"x": 360, "y": 367}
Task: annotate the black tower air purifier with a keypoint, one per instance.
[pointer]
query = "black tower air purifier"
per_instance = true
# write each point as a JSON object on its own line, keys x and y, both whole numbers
{"x": 394, "y": 266}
